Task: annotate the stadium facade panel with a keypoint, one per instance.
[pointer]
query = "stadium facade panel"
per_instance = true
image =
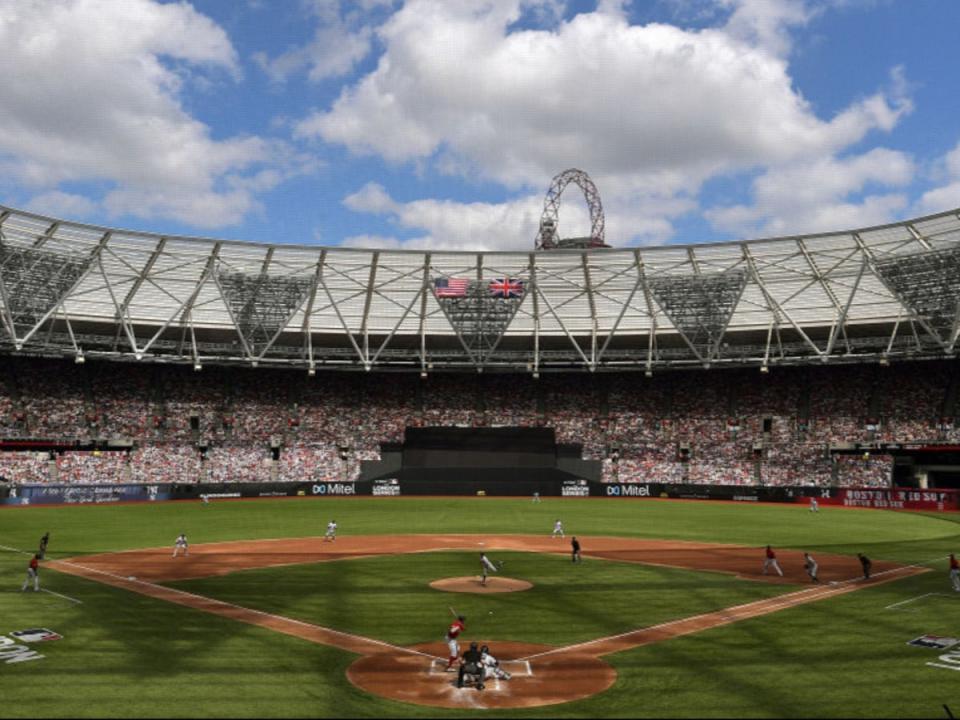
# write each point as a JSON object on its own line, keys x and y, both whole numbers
{"x": 882, "y": 292}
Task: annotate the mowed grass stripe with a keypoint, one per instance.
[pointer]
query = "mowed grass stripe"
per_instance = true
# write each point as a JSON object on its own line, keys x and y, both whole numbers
{"x": 389, "y": 598}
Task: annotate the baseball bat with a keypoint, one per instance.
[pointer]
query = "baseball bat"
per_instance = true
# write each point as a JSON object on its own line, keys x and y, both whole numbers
{"x": 453, "y": 612}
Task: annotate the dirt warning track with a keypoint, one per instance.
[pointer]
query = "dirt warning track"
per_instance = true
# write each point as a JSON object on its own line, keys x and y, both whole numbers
{"x": 542, "y": 675}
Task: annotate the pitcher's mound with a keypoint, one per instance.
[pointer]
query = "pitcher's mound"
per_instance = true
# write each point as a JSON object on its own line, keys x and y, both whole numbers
{"x": 472, "y": 584}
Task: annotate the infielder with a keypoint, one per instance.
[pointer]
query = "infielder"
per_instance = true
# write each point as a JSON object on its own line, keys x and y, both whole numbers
{"x": 954, "y": 573}
{"x": 491, "y": 666}
{"x": 486, "y": 565}
{"x": 453, "y": 645}
{"x": 181, "y": 544}
{"x": 536, "y": 497}
{"x": 331, "y": 531}
{"x": 33, "y": 573}
{"x": 558, "y": 529}
{"x": 771, "y": 561}
{"x": 205, "y": 498}
{"x": 810, "y": 565}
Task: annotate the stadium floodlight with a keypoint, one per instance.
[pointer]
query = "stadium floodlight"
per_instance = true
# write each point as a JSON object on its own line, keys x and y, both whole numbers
{"x": 536, "y": 375}
{"x": 764, "y": 369}
{"x": 884, "y": 361}
{"x": 423, "y": 374}
{"x": 254, "y": 363}
{"x": 649, "y": 372}
{"x": 79, "y": 359}
{"x": 138, "y": 356}
{"x": 197, "y": 366}
{"x": 311, "y": 371}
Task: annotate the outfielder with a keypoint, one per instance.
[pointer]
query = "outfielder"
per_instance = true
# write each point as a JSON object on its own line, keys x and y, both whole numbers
{"x": 331, "y": 531}
{"x": 814, "y": 507}
{"x": 491, "y": 666}
{"x": 558, "y": 529}
{"x": 810, "y": 565}
{"x": 771, "y": 561}
{"x": 181, "y": 544}
{"x": 954, "y": 572}
{"x": 453, "y": 645}
{"x": 33, "y": 573}
{"x": 486, "y": 565}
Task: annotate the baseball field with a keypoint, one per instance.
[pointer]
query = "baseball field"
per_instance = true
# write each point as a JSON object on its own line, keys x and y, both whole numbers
{"x": 668, "y": 614}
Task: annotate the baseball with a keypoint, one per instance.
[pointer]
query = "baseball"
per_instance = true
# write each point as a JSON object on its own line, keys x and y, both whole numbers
{"x": 491, "y": 612}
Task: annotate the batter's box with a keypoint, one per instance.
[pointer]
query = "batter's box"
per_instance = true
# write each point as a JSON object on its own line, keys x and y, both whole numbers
{"x": 516, "y": 668}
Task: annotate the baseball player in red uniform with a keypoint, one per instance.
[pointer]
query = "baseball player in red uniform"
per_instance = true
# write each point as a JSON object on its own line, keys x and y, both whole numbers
{"x": 453, "y": 632}
{"x": 955, "y": 572}
{"x": 771, "y": 561}
{"x": 33, "y": 573}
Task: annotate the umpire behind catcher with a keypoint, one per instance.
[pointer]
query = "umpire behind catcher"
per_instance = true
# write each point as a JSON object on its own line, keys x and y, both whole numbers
{"x": 471, "y": 665}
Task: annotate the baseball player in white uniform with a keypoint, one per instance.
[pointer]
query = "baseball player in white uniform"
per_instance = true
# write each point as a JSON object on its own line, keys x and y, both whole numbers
{"x": 331, "y": 531}
{"x": 814, "y": 507}
{"x": 491, "y": 666}
{"x": 181, "y": 544}
{"x": 486, "y": 567}
{"x": 810, "y": 565}
{"x": 558, "y": 529}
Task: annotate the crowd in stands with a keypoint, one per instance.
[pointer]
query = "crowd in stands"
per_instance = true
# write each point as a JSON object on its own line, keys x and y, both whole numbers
{"x": 734, "y": 427}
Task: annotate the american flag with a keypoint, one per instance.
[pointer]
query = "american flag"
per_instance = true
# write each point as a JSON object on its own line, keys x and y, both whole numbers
{"x": 450, "y": 287}
{"x": 506, "y": 288}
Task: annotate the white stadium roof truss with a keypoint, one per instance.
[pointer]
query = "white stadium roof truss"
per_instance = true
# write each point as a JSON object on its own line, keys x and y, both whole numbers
{"x": 891, "y": 291}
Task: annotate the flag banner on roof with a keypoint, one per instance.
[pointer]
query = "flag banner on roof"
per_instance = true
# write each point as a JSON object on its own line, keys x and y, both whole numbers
{"x": 506, "y": 288}
{"x": 450, "y": 287}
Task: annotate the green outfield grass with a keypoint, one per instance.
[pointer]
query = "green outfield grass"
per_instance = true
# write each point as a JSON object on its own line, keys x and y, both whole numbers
{"x": 130, "y": 656}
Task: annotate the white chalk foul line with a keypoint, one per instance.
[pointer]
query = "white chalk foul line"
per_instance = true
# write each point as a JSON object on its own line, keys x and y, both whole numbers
{"x": 817, "y": 592}
{"x": 65, "y": 597}
{"x": 252, "y": 611}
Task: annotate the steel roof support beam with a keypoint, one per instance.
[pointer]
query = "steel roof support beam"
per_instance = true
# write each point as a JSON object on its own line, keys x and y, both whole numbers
{"x": 563, "y": 327}
{"x": 819, "y": 277}
{"x": 183, "y": 310}
{"x": 366, "y": 307}
{"x": 423, "y": 313}
{"x": 773, "y": 305}
{"x": 343, "y": 323}
{"x": 841, "y": 321}
{"x": 534, "y": 289}
{"x": 419, "y": 295}
{"x": 624, "y": 306}
{"x": 307, "y": 328}
{"x": 593, "y": 311}
{"x": 73, "y": 286}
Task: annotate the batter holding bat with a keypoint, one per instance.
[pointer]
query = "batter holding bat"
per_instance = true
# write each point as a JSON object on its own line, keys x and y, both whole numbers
{"x": 453, "y": 645}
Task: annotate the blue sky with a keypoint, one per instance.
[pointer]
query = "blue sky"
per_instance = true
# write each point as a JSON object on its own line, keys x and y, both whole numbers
{"x": 440, "y": 123}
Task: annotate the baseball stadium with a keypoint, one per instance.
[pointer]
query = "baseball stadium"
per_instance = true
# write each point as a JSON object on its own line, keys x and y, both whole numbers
{"x": 277, "y": 480}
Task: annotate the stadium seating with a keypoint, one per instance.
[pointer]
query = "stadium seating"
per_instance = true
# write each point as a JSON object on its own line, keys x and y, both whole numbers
{"x": 731, "y": 427}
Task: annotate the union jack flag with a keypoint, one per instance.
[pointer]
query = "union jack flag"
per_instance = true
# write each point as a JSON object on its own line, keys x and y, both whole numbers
{"x": 450, "y": 287}
{"x": 506, "y": 288}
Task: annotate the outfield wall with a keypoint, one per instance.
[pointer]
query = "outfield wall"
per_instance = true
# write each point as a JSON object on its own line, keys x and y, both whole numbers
{"x": 881, "y": 498}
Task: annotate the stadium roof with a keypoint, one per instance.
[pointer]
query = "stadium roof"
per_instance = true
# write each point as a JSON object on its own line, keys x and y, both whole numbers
{"x": 72, "y": 289}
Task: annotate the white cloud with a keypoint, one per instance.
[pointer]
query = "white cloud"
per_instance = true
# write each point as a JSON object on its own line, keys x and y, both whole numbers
{"x": 510, "y": 225}
{"x": 92, "y": 91}
{"x": 816, "y": 195}
{"x": 341, "y": 40}
{"x": 649, "y": 111}
{"x": 61, "y": 204}
{"x": 946, "y": 195}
